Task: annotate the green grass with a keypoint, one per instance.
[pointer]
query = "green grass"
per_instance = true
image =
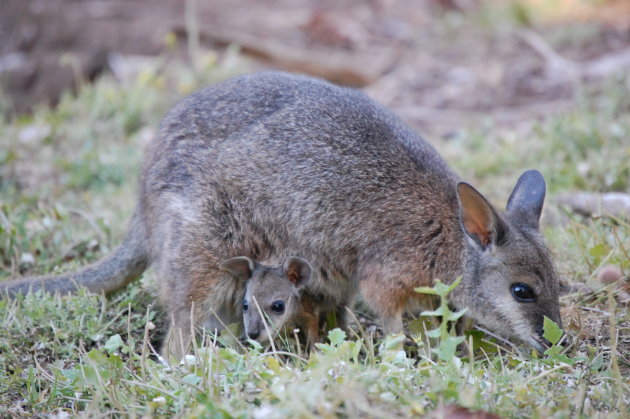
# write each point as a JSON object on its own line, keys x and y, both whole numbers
{"x": 67, "y": 181}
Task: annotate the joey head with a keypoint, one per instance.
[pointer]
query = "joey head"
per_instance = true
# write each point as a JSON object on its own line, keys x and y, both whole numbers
{"x": 272, "y": 299}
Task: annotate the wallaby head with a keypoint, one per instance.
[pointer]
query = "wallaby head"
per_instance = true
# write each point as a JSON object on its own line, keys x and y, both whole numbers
{"x": 509, "y": 283}
{"x": 272, "y": 293}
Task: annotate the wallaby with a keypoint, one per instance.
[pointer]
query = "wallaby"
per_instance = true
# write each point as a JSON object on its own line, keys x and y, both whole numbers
{"x": 273, "y": 300}
{"x": 273, "y": 164}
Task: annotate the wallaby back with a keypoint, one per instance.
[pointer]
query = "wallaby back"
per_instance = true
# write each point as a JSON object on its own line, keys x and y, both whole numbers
{"x": 272, "y": 165}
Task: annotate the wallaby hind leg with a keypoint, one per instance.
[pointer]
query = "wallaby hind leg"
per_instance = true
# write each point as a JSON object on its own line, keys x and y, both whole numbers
{"x": 310, "y": 326}
{"x": 174, "y": 294}
{"x": 341, "y": 316}
{"x": 308, "y": 320}
{"x": 388, "y": 300}
{"x": 196, "y": 292}
{"x": 211, "y": 305}
{"x": 173, "y": 276}
{"x": 392, "y": 322}
{"x": 185, "y": 321}
{"x": 179, "y": 336}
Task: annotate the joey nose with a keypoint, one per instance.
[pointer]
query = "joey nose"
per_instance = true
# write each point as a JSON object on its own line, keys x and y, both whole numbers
{"x": 253, "y": 334}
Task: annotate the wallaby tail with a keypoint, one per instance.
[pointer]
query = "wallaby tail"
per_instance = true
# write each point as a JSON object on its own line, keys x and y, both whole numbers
{"x": 125, "y": 264}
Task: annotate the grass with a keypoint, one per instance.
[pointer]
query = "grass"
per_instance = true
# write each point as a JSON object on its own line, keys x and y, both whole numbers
{"x": 67, "y": 180}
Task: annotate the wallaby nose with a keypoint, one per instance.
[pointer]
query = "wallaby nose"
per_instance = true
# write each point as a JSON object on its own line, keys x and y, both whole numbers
{"x": 253, "y": 334}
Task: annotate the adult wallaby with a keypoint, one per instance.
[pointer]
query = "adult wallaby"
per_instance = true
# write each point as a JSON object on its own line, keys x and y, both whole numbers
{"x": 273, "y": 299}
{"x": 274, "y": 164}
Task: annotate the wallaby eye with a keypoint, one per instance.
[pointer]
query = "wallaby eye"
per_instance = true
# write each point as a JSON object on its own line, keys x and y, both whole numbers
{"x": 245, "y": 305}
{"x": 523, "y": 293}
{"x": 278, "y": 307}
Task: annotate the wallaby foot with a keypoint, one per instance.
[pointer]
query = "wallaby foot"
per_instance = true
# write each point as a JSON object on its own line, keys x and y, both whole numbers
{"x": 341, "y": 316}
{"x": 309, "y": 323}
{"x": 178, "y": 340}
{"x": 388, "y": 300}
{"x": 392, "y": 323}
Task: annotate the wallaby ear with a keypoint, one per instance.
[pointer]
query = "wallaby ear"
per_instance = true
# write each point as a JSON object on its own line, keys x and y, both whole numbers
{"x": 480, "y": 220}
{"x": 528, "y": 197}
{"x": 240, "y": 267}
{"x": 297, "y": 271}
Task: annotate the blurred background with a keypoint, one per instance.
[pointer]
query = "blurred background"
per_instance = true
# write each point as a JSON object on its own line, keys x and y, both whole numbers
{"x": 498, "y": 87}
{"x": 440, "y": 64}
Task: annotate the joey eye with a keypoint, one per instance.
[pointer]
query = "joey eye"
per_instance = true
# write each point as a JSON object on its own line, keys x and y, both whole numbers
{"x": 523, "y": 293}
{"x": 278, "y": 307}
{"x": 245, "y": 305}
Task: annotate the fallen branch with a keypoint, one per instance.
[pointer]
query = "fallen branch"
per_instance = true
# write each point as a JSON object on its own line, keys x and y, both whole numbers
{"x": 612, "y": 204}
{"x": 459, "y": 117}
{"x": 557, "y": 65}
{"x": 607, "y": 65}
{"x": 333, "y": 66}
{"x": 561, "y": 67}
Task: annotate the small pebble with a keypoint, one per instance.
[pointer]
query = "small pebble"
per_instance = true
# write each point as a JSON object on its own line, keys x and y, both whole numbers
{"x": 609, "y": 274}
{"x": 27, "y": 259}
{"x": 459, "y": 412}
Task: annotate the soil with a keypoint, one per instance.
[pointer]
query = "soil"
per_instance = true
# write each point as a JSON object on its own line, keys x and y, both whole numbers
{"x": 439, "y": 64}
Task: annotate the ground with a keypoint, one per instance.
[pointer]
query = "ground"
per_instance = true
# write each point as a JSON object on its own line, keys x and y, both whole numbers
{"x": 496, "y": 88}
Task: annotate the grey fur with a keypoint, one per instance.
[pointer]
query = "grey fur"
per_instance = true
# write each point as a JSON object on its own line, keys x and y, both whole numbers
{"x": 271, "y": 165}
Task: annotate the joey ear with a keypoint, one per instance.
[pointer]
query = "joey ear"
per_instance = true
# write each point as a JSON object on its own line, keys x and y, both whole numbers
{"x": 528, "y": 197}
{"x": 240, "y": 267}
{"x": 480, "y": 220}
{"x": 297, "y": 271}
